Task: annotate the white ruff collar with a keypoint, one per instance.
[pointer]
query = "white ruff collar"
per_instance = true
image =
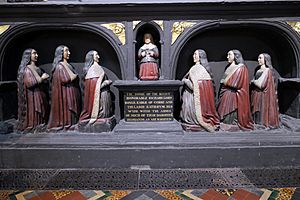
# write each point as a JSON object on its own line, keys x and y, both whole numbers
{"x": 95, "y": 71}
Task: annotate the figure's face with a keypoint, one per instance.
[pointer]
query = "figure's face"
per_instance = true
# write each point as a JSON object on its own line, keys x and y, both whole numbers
{"x": 196, "y": 56}
{"x": 230, "y": 56}
{"x": 96, "y": 57}
{"x": 261, "y": 59}
{"x": 34, "y": 55}
{"x": 66, "y": 53}
{"x": 147, "y": 40}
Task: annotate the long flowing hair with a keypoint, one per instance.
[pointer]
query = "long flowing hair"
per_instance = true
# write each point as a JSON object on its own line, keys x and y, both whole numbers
{"x": 204, "y": 63}
{"x": 238, "y": 58}
{"x": 22, "y": 101}
{"x": 89, "y": 61}
{"x": 58, "y": 57}
{"x": 268, "y": 63}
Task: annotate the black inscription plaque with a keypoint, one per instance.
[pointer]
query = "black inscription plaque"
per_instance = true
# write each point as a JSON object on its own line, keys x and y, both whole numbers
{"x": 148, "y": 106}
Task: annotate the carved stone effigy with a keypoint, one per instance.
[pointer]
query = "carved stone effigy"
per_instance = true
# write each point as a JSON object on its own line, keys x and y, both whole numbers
{"x": 97, "y": 113}
{"x": 33, "y": 109}
{"x": 145, "y": 141}
{"x": 264, "y": 102}
{"x": 198, "y": 111}
{"x": 234, "y": 101}
{"x": 148, "y": 55}
{"x": 65, "y": 97}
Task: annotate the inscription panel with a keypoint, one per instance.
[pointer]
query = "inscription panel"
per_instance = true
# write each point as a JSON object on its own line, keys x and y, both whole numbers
{"x": 148, "y": 106}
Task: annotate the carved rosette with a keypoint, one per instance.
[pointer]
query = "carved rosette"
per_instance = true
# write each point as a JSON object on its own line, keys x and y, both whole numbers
{"x": 4, "y": 28}
{"x": 295, "y": 26}
{"x": 118, "y": 29}
{"x": 179, "y": 27}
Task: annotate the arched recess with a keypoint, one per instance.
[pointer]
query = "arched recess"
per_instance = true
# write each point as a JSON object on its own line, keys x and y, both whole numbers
{"x": 80, "y": 38}
{"x": 250, "y": 37}
{"x": 139, "y": 31}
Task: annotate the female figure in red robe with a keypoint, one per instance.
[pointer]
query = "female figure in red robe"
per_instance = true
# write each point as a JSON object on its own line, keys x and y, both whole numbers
{"x": 264, "y": 103}
{"x": 234, "y": 100}
{"x": 33, "y": 109}
{"x": 148, "y": 55}
{"x": 66, "y": 97}
{"x": 97, "y": 96}
{"x": 198, "y": 107}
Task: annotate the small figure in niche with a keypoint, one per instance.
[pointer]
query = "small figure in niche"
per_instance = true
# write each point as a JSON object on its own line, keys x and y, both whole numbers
{"x": 33, "y": 108}
{"x": 264, "y": 102}
{"x": 198, "y": 107}
{"x": 66, "y": 97}
{"x": 234, "y": 100}
{"x": 97, "y": 96}
{"x": 148, "y": 58}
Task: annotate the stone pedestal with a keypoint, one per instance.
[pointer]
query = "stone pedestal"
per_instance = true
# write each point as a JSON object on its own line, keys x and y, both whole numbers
{"x": 148, "y": 106}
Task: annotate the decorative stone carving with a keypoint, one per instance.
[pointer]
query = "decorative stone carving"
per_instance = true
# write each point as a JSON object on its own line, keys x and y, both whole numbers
{"x": 179, "y": 28}
{"x": 4, "y": 28}
{"x": 295, "y": 26}
{"x": 118, "y": 29}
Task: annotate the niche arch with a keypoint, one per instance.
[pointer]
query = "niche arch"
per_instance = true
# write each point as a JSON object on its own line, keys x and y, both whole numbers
{"x": 80, "y": 38}
{"x": 252, "y": 38}
{"x": 138, "y": 34}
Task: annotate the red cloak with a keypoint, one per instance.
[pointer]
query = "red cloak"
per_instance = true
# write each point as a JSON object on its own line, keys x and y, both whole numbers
{"x": 264, "y": 101}
{"x": 66, "y": 99}
{"x": 234, "y": 95}
{"x": 36, "y": 101}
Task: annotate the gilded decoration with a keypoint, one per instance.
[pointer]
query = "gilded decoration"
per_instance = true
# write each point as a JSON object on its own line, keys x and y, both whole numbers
{"x": 135, "y": 23}
{"x": 295, "y": 26}
{"x": 160, "y": 23}
{"x": 3, "y": 28}
{"x": 118, "y": 29}
{"x": 178, "y": 28}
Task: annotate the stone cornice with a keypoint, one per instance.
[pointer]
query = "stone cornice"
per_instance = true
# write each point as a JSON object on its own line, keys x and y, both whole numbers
{"x": 95, "y": 11}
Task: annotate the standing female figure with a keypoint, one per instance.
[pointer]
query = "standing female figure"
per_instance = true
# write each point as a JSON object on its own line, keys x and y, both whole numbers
{"x": 264, "y": 103}
{"x": 33, "y": 106}
{"x": 198, "y": 106}
{"x": 97, "y": 96}
{"x": 234, "y": 100}
{"x": 66, "y": 97}
{"x": 148, "y": 55}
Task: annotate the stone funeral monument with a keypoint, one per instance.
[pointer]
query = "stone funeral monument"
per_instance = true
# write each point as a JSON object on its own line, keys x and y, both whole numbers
{"x": 153, "y": 94}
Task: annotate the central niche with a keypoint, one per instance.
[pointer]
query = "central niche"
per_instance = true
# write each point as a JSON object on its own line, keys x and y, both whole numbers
{"x": 141, "y": 31}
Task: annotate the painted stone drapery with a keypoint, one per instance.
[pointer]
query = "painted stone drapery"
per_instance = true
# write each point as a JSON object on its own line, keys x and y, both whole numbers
{"x": 66, "y": 97}
{"x": 198, "y": 106}
{"x": 33, "y": 109}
